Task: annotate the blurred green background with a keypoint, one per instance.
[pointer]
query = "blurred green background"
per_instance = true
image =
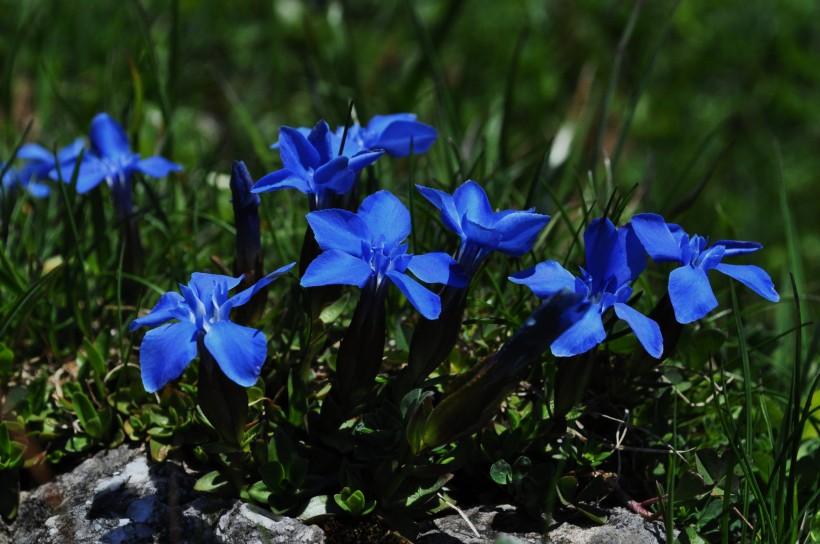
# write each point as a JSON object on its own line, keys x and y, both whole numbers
{"x": 699, "y": 90}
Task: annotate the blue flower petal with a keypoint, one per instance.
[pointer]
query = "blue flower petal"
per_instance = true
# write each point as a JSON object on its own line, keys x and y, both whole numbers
{"x": 737, "y": 247}
{"x": 753, "y": 277}
{"x": 657, "y": 238}
{"x": 444, "y": 202}
{"x": 438, "y": 267}
{"x": 635, "y": 252}
{"x": 35, "y": 152}
{"x": 334, "y": 267}
{"x": 296, "y": 152}
{"x": 157, "y": 167}
{"x": 425, "y": 301}
{"x": 519, "y": 231}
{"x": 334, "y": 176}
{"x": 92, "y": 172}
{"x": 399, "y": 138}
{"x": 38, "y": 190}
{"x": 646, "y": 330}
{"x": 545, "y": 279}
{"x": 378, "y": 124}
{"x": 363, "y": 159}
{"x": 108, "y": 138}
{"x": 339, "y": 229}
{"x": 282, "y": 179}
{"x": 321, "y": 139}
{"x": 605, "y": 257}
{"x": 71, "y": 151}
{"x": 304, "y": 131}
{"x": 244, "y": 296}
{"x": 385, "y": 215}
{"x": 170, "y": 306}
{"x": 471, "y": 201}
{"x": 484, "y": 237}
{"x": 582, "y": 336}
{"x": 212, "y": 286}
{"x": 165, "y": 352}
{"x": 239, "y": 351}
{"x": 690, "y": 294}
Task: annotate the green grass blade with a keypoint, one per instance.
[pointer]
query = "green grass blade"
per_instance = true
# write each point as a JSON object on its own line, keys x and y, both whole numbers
{"x": 620, "y": 52}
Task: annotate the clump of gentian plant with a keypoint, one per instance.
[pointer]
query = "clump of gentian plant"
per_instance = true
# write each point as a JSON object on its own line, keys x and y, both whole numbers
{"x": 111, "y": 159}
{"x": 382, "y": 401}
{"x": 367, "y": 249}
{"x": 203, "y": 327}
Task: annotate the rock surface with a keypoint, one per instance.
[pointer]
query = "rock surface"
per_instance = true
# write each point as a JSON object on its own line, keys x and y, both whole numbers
{"x": 119, "y": 497}
{"x": 503, "y": 525}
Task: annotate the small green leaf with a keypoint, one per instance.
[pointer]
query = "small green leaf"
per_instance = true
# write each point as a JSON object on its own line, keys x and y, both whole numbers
{"x": 331, "y": 313}
{"x": 212, "y": 482}
{"x": 693, "y": 536}
{"x": 710, "y": 465}
{"x": 94, "y": 358}
{"x": 690, "y": 486}
{"x": 317, "y": 508}
{"x": 353, "y": 502}
{"x": 87, "y": 414}
{"x": 501, "y": 472}
{"x": 568, "y": 486}
{"x": 273, "y": 474}
{"x": 259, "y": 492}
{"x": 77, "y": 443}
{"x": 159, "y": 450}
{"x": 11, "y": 452}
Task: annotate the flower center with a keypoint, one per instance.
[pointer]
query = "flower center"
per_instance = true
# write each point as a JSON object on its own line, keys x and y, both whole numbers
{"x": 694, "y": 252}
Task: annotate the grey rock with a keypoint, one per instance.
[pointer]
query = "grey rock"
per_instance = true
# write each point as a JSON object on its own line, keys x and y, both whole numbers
{"x": 622, "y": 527}
{"x": 119, "y": 497}
{"x": 234, "y": 526}
{"x": 496, "y": 524}
{"x": 504, "y": 525}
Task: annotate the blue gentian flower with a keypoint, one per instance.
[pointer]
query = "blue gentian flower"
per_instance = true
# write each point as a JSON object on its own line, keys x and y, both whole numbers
{"x": 203, "y": 312}
{"x": 365, "y": 249}
{"x": 398, "y": 134}
{"x": 313, "y": 165}
{"x": 246, "y": 217}
{"x": 614, "y": 258}
{"x": 689, "y": 289}
{"x": 468, "y": 213}
{"x": 40, "y": 162}
{"x": 111, "y": 159}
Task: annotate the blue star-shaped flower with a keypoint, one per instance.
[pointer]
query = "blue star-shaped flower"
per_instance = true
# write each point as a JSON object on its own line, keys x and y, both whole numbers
{"x": 468, "y": 213}
{"x": 112, "y": 160}
{"x": 313, "y": 165}
{"x": 398, "y": 134}
{"x": 365, "y": 249}
{"x": 203, "y": 312}
{"x": 40, "y": 162}
{"x": 614, "y": 258}
{"x": 689, "y": 289}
